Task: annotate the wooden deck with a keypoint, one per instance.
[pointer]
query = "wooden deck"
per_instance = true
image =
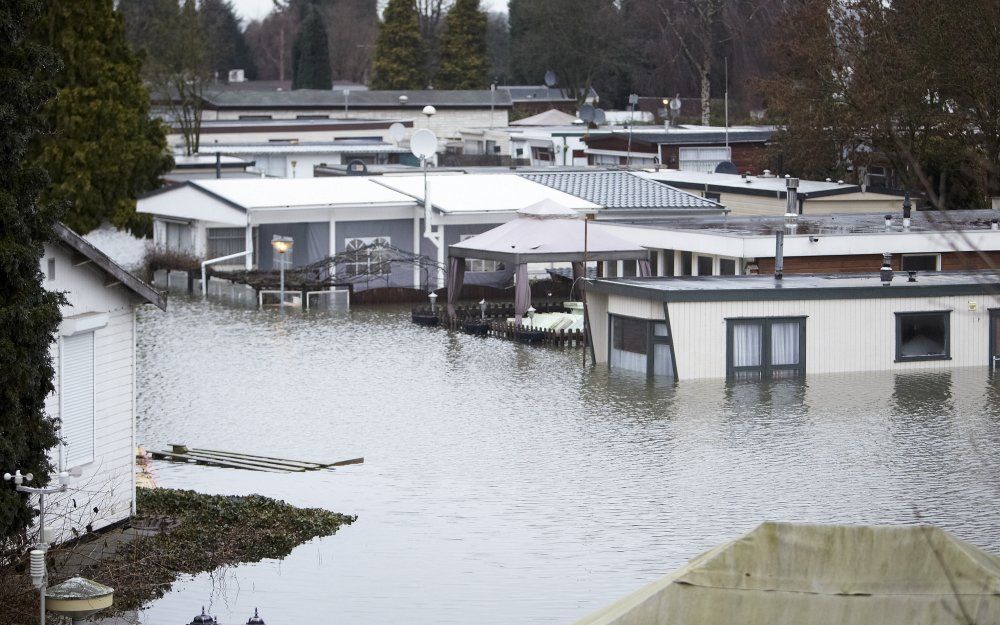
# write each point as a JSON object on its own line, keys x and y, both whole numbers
{"x": 249, "y": 462}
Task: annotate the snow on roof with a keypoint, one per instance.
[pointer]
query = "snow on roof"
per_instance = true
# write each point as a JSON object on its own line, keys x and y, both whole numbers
{"x": 301, "y": 192}
{"x": 738, "y": 183}
{"x": 311, "y": 147}
{"x": 551, "y": 117}
{"x": 483, "y": 193}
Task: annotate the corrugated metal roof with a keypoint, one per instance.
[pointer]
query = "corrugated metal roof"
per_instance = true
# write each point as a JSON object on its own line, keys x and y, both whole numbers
{"x": 541, "y": 93}
{"x": 621, "y": 190}
{"x": 692, "y": 137}
{"x": 317, "y": 98}
{"x": 301, "y": 192}
{"x": 307, "y": 147}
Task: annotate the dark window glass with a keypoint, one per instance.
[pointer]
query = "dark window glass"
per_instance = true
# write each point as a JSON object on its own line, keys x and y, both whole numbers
{"x": 704, "y": 265}
{"x": 921, "y": 336}
{"x": 630, "y": 335}
{"x": 715, "y": 197}
{"x": 668, "y": 262}
{"x": 685, "y": 263}
{"x": 920, "y": 262}
{"x": 727, "y": 267}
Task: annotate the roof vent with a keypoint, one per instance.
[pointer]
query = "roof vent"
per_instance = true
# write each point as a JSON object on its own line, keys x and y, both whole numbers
{"x": 885, "y": 273}
{"x": 995, "y": 224}
{"x": 906, "y": 211}
{"x": 911, "y": 276}
{"x": 888, "y": 222}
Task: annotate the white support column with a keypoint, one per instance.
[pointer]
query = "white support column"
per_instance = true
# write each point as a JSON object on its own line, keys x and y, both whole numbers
{"x": 678, "y": 263}
{"x": 620, "y": 268}
{"x": 739, "y": 266}
{"x": 333, "y": 237}
{"x": 248, "y": 246}
{"x": 440, "y": 250}
{"x": 715, "y": 266}
{"x": 661, "y": 262}
{"x": 416, "y": 247}
{"x": 694, "y": 264}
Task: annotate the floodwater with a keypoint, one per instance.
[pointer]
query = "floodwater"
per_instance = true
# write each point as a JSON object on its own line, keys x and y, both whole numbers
{"x": 506, "y": 484}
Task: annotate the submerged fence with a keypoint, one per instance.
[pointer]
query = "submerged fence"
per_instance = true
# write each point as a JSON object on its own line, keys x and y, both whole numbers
{"x": 492, "y": 320}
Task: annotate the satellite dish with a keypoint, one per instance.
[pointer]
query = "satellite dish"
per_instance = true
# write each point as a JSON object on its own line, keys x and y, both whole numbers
{"x": 397, "y": 132}
{"x": 550, "y": 79}
{"x": 587, "y": 113}
{"x": 726, "y": 167}
{"x": 600, "y": 117}
{"x": 423, "y": 144}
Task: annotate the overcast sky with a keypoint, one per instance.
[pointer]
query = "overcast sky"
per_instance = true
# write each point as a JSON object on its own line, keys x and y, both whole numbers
{"x": 256, "y": 9}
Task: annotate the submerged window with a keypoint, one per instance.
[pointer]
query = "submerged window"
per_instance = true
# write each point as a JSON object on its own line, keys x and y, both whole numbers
{"x": 478, "y": 264}
{"x": 641, "y": 345}
{"x": 368, "y": 256}
{"x": 922, "y": 336}
{"x": 727, "y": 266}
{"x": 766, "y": 348}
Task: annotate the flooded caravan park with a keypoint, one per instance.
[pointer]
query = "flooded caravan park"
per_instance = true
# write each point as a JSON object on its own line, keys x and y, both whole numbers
{"x": 506, "y": 484}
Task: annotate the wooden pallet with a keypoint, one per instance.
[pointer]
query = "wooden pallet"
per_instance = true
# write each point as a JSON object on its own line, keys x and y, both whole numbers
{"x": 250, "y": 462}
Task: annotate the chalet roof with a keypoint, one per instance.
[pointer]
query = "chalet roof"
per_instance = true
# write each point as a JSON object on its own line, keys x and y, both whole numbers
{"x": 340, "y": 146}
{"x": 541, "y": 93}
{"x": 320, "y": 98}
{"x": 695, "y": 135}
{"x": 101, "y": 260}
{"x": 551, "y": 117}
{"x": 622, "y": 190}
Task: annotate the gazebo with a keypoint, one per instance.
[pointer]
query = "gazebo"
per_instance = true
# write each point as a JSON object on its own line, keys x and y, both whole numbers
{"x": 544, "y": 232}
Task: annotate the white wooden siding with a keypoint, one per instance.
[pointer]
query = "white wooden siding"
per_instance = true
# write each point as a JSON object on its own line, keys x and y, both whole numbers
{"x": 107, "y": 483}
{"x": 841, "y": 335}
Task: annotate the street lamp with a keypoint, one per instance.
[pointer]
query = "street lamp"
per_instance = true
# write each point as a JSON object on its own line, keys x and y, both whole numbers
{"x": 281, "y": 245}
{"x": 39, "y": 574}
{"x": 482, "y": 309}
{"x": 434, "y": 298}
{"x": 531, "y": 316}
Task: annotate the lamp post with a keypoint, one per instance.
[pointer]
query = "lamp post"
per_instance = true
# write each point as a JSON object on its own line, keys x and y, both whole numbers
{"x": 531, "y": 316}
{"x": 434, "y": 298}
{"x": 281, "y": 245}
{"x": 482, "y": 309}
{"x": 39, "y": 574}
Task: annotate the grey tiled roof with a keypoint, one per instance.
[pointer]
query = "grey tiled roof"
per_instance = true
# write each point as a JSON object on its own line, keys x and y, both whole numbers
{"x": 318, "y": 98}
{"x": 622, "y": 190}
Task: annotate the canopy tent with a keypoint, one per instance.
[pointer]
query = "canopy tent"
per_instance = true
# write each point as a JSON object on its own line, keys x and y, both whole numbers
{"x": 795, "y": 574}
{"x": 551, "y": 117}
{"x": 543, "y": 232}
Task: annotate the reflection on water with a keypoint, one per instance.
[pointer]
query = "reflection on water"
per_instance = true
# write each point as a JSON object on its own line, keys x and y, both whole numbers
{"x": 506, "y": 484}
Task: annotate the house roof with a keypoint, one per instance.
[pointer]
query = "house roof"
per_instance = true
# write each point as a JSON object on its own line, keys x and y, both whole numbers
{"x": 799, "y": 286}
{"x": 342, "y": 146}
{"x": 274, "y": 193}
{"x": 101, "y": 260}
{"x": 812, "y": 573}
{"x": 773, "y": 186}
{"x": 334, "y": 98}
{"x": 622, "y": 190}
{"x": 541, "y": 93}
{"x": 695, "y": 135}
{"x": 482, "y": 193}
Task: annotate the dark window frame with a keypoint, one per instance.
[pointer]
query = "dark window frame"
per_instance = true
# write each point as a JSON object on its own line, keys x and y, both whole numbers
{"x": 651, "y": 340}
{"x": 994, "y": 319}
{"x": 765, "y": 368}
{"x": 937, "y": 261}
{"x": 711, "y": 264}
{"x": 901, "y": 316}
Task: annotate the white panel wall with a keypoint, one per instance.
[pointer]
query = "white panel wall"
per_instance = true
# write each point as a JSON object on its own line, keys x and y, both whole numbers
{"x": 841, "y": 335}
{"x": 107, "y": 483}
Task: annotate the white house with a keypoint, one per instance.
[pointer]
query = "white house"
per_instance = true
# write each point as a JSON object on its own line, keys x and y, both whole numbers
{"x": 94, "y": 396}
{"x": 760, "y": 327}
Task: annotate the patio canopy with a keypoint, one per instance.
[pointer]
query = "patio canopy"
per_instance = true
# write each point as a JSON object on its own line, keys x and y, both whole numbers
{"x": 795, "y": 574}
{"x": 544, "y": 232}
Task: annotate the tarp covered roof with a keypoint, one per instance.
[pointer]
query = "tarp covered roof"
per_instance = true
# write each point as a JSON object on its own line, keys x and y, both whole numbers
{"x": 546, "y": 231}
{"x": 801, "y": 574}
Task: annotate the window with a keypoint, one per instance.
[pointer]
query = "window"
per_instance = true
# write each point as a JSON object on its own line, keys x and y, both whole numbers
{"x": 368, "y": 256}
{"x": 225, "y": 241}
{"x": 715, "y": 197}
{"x": 923, "y": 336}
{"x": 921, "y": 262}
{"x": 605, "y": 159}
{"x": 52, "y": 269}
{"x": 704, "y": 265}
{"x": 640, "y": 345}
{"x": 764, "y": 348}
{"x": 476, "y": 264}
{"x": 685, "y": 263}
{"x": 727, "y": 266}
{"x": 542, "y": 154}
{"x": 703, "y": 159}
{"x": 179, "y": 237}
{"x": 76, "y": 393}
{"x": 255, "y": 117}
{"x": 312, "y": 117}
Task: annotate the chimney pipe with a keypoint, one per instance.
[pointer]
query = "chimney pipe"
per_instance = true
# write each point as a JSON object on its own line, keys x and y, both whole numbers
{"x": 791, "y": 192}
{"x": 888, "y": 222}
{"x": 906, "y": 211}
{"x": 885, "y": 273}
{"x": 218, "y": 165}
{"x": 779, "y": 254}
{"x": 994, "y": 224}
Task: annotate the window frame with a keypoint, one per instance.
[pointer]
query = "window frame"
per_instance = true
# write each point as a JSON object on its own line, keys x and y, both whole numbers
{"x": 64, "y": 458}
{"x": 766, "y": 368}
{"x": 651, "y": 339}
{"x": 479, "y": 265}
{"x": 350, "y": 267}
{"x": 901, "y": 315}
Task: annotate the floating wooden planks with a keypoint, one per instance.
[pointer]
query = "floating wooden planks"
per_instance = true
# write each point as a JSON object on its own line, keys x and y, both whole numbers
{"x": 250, "y": 462}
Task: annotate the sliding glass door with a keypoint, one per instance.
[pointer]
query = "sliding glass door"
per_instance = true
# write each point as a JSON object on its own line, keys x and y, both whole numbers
{"x": 641, "y": 345}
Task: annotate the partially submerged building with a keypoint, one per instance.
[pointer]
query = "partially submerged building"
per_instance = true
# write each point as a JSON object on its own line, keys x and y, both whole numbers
{"x": 94, "y": 395}
{"x": 763, "y": 327}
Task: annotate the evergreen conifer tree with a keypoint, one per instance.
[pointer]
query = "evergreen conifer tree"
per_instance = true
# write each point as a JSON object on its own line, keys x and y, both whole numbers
{"x": 29, "y": 315}
{"x": 104, "y": 149}
{"x": 463, "y": 48}
{"x": 399, "y": 49}
{"x": 311, "y": 53}
{"x": 223, "y": 39}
